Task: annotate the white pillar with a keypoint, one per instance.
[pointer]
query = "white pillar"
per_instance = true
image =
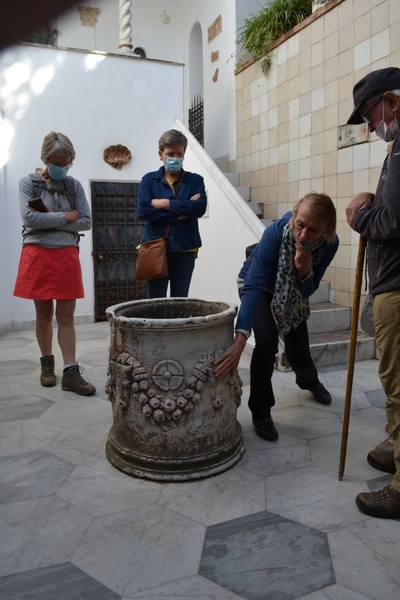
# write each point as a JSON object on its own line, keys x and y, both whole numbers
{"x": 125, "y": 27}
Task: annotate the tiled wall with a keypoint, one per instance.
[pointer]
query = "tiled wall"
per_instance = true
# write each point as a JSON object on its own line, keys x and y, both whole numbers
{"x": 287, "y": 122}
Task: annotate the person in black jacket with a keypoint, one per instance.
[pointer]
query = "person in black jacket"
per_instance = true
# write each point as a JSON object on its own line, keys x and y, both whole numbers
{"x": 377, "y": 103}
{"x": 175, "y": 198}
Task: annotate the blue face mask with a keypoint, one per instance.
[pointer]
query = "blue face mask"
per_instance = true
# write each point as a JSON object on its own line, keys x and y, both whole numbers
{"x": 173, "y": 165}
{"x": 57, "y": 173}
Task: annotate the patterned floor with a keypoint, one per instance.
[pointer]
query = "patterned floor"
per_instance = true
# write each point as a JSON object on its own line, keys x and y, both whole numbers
{"x": 279, "y": 525}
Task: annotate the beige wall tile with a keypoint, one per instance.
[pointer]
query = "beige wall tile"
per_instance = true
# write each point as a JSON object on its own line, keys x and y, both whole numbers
{"x": 346, "y": 85}
{"x": 331, "y": 140}
{"x": 318, "y": 53}
{"x": 255, "y": 143}
{"x": 240, "y": 149}
{"x": 283, "y": 113}
{"x": 318, "y": 121}
{"x": 343, "y": 257}
{"x": 282, "y": 73}
{"x": 342, "y": 298}
{"x": 346, "y": 62}
{"x": 264, "y": 121}
{"x": 345, "y": 185}
{"x": 282, "y": 173}
{"x": 318, "y": 76}
{"x": 331, "y": 92}
{"x": 342, "y": 276}
{"x": 361, "y": 7}
{"x": 305, "y": 168}
{"x": 330, "y": 163}
{"x": 283, "y": 152}
{"x": 380, "y": 45}
{"x": 317, "y": 31}
{"x": 293, "y": 68}
{"x": 283, "y": 133}
{"x": 346, "y": 36}
{"x": 331, "y": 116}
{"x": 329, "y": 185}
{"x": 264, "y": 159}
{"x": 305, "y": 60}
{"x": 247, "y": 129}
{"x": 343, "y": 230}
{"x": 294, "y": 171}
{"x": 294, "y": 150}
{"x": 345, "y": 109}
{"x": 394, "y": 12}
{"x": 293, "y": 88}
{"x": 294, "y": 129}
{"x": 305, "y": 82}
{"x": 362, "y": 28}
{"x": 283, "y": 190}
{"x": 247, "y": 147}
{"x": 293, "y": 192}
{"x": 239, "y": 97}
{"x": 360, "y": 182}
{"x": 394, "y": 37}
{"x": 346, "y": 13}
{"x": 305, "y": 147}
{"x": 331, "y": 45}
{"x": 264, "y": 140}
{"x": 255, "y": 161}
{"x": 380, "y": 17}
{"x": 317, "y": 167}
{"x": 239, "y": 132}
{"x": 255, "y": 125}
{"x": 317, "y": 144}
{"x": 332, "y": 69}
{"x": 305, "y": 105}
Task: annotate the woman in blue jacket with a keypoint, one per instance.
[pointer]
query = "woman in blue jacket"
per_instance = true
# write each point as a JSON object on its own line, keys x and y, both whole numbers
{"x": 282, "y": 272}
{"x": 171, "y": 201}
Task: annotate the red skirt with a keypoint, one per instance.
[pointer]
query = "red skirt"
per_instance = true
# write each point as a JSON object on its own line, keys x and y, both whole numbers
{"x": 49, "y": 274}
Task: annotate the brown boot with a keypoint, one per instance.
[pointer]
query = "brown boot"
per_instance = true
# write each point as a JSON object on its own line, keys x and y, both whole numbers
{"x": 47, "y": 376}
{"x": 384, "y": 503}
{"x": 382, "y": 457}
{"x": 72, "y": 381}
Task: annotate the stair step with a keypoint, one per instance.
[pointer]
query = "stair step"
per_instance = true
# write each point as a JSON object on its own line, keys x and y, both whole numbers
{"x": 328, "y": 317}
{"x": 322, "y": 293}
{"x": 257, "y": 208}
{"x": 234, "y": 178}
{"x": 246, "y": 193}
{"x": 333, "y": 349}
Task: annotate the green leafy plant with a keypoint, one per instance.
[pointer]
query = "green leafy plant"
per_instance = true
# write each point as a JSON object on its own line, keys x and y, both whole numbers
{"x": 260, "y": 31}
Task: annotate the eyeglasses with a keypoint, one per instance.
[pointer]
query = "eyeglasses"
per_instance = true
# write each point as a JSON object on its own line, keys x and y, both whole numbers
{"x": 365, "y": 118}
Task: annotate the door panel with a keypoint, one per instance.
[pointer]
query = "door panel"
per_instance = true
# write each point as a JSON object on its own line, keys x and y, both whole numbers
{"x": 116, "y": 233}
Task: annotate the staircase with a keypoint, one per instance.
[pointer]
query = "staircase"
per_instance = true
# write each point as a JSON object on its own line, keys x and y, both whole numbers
{"x": 329, "y": 323}
{"x": 329, "y": 330}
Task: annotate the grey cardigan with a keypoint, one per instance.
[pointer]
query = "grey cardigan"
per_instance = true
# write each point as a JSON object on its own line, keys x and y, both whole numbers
{"x": 51, "y": 230}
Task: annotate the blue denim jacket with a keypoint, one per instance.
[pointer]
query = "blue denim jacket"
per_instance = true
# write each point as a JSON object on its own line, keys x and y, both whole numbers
{"x": 184, "y": 234}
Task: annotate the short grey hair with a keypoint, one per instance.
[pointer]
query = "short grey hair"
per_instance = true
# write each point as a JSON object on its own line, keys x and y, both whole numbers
{"x": 172, "y": 137}
{"x": 58, "y": 144}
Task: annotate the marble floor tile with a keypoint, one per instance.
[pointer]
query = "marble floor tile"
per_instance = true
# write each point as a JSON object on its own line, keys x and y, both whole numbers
{"x": 39, "y": 533}
{"x": 17, "y": 437}
{"x": 358, "y": 400}
{"x": 77, "y": 411}
{"x": 27, "y": 406}
{"x": 31, "y": 475}
{"x": 265, "y": 556}
{"x": 378, "y": 482}
{"x": 335, "y": 592}
{"x": 59, "y": 582}
{"x": 270, "y": 458}
{"x": 13, "y": 341}
{"x": 100, "y": 489}
{"x": 190, "y": 588}
{"x": 91, "y": 334}
{"x": 376, "y": 398}
{"x": 139, "y": 549}
{"x": 97, "y": 358}
{"x": 366, "y": 557}
{"x": 324, "y": 450}
{"x": 314, "y": 497}
{"x": 306, "y": 423}
{"x": 81, "y": 445}
{"x": 369, "y": 422}
{"x": 230, "y": 495}
{"x": 13, "y": 368}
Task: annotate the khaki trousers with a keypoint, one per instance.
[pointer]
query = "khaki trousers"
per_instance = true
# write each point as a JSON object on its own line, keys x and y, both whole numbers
{"x": 387, "y": 329}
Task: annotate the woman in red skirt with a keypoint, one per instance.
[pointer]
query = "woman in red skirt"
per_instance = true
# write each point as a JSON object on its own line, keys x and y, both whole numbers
{"x": 49, "y": 267}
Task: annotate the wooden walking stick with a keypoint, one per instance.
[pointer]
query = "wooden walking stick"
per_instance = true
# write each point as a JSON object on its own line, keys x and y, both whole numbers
{"x": 352, "y": 352}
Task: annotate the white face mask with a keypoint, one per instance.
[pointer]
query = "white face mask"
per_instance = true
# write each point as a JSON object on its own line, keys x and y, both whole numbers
{"x": 387, "y": 133}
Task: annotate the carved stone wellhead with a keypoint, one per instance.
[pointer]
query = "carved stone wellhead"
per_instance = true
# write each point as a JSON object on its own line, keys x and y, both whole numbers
{"x": 172, "y": 420}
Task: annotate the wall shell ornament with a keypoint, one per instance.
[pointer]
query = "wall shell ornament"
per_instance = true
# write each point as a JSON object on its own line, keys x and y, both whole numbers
{"x": 117, "y": 156}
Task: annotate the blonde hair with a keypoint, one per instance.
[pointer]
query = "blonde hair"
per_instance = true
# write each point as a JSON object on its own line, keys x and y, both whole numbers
{"x": 58, "y": 144}
{"x": 321, "y": 204}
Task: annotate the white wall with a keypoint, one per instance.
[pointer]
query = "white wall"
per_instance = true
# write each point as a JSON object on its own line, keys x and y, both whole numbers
{"x": 171, "y": 42}
{"x": 227, "y": 228}
{"x": 96, "y": 100}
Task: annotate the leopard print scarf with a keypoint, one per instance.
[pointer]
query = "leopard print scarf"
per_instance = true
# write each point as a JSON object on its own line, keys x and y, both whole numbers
{"x": 288, "y": 307}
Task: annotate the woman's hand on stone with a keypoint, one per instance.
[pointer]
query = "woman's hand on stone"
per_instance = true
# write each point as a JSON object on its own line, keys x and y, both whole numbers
{"x": 229, "y": 361}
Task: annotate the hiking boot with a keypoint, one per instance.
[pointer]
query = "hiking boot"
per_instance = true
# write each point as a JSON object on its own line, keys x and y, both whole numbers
{"x": 72, "y": 381}
{"x": 321, "y": 394}
{"x": 47, "y": 375}
{"x": 382, "y": 457}
{"x": 266, "y": 430}
{"x": 384, "y": 503}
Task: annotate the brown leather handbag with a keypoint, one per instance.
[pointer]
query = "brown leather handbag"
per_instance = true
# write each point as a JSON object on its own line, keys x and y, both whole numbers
{"x": 151, "y": 262}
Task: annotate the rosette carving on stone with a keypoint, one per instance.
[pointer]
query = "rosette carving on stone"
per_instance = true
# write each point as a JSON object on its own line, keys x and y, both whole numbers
{"x": 164, "y": 395}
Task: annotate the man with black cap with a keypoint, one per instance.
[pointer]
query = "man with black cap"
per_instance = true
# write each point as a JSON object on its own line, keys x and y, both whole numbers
{"x": 377, "y": 217}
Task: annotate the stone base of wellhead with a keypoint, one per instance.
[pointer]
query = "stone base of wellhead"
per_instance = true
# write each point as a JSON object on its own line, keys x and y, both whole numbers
{"x": 172, "y": 420}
